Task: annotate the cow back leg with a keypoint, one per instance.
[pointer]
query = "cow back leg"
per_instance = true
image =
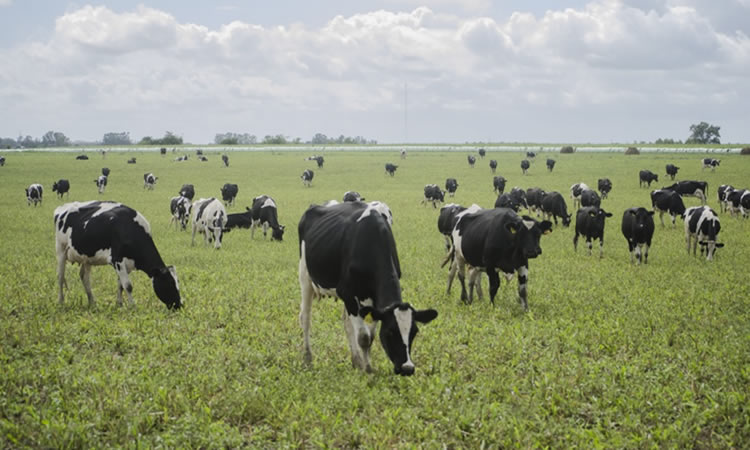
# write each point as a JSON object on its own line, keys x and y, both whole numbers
{"x": 646, "y": 246}
{"x": 462, "y": 278}
{"x": 661, "y": 217}
{"x": 195, "y": 228}
{"x": 494, "y": 282}
{"x": 85, "y": 274}
{"x": 265, "y": 229}
{"x": 589, "y": 244}
{"x": 61, "y": 262}
{"x": 601, "y": 247}
{"x": 523, "y": 276}
{"x": 305, "y": 310}
{"x": 575, "y": 242}
{"x": 451, "y": 273}
{"x": 475, "y": 279}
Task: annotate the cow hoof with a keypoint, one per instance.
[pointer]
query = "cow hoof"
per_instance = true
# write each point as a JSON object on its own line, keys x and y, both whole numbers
{"x": 307, "y": 358}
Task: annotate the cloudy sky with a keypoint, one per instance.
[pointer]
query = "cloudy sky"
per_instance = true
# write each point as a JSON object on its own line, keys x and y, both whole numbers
{"x": 472, "y": 70}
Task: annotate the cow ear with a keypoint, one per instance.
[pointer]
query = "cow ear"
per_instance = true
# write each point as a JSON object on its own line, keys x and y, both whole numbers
{"x": 425, "y": 315}
{"x": 719, "y": 244}
{"x": 607, "y": 214}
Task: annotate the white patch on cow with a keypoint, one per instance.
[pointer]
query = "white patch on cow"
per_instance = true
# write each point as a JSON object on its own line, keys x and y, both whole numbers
{"x": 268, "y": 203}
{"x": 377, "y": 207}
{"x": 101, "y": 257}
{"x": 140, "y": 220}
{"x": 404, "y": 320}
{"x": 529, "y": 224}
{"x": 331, "y": 203}
{"x": 104, "y": 207}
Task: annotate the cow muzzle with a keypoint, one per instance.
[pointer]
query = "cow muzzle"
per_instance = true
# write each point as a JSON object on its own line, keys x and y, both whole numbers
{"x": 533, "y": 253}
{"x": 406, "y": 369}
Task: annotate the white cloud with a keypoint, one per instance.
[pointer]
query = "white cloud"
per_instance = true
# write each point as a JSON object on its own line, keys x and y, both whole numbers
{"x": 6, "y": 2}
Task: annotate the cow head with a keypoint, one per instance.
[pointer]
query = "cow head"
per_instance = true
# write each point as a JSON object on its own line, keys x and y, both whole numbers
{"x": 527, "y": 233}
{"x": 166, "y": 286}
{"x": 710, "y": 229}
{"x": 277, "y": 233}
{"x": 566, "y": 220}
{"x": 397, "y": 331}
{"x": 599, "y": 215}
{"x": 54, "y": 186}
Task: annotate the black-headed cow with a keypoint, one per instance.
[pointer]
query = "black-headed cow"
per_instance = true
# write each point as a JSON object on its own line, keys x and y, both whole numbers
{"x": 433, "y": 194}
{"x": 482, "y": 153}
{"x": 131, "y": 160}
{"x": 390, "y": 169}
{"x": 589, "y": 197}
{"x": 638, "y": 229}
{"x": 180, "y": 208}
{"x": 229, "y": 193}
{"x": 471, "y": 159}
{"x": 187, "y": 191}
{"x": 534, "y": 197}
{"x": 353, "y": 196}
{"x": 34, "y": 194}
{"x": 645, "y": 177}
{"x": 265, "y": 215}
{"x": 604, "y": 185}
{"x": 446, "y": 222}
{"x": 553, "y": 206}
{"x": 672, "y": 170}
{"x": 105, "y": 171}
{"x": 689, "y": 188}
{"x": 723, "y": 193}
{"x": 590, "y": 224}
{"x": 702, "y": 227}
{"x": 493, "y": 165}
{"x": 101, "y": 183}
{"x": 307, "y": 177}
{"x": 61, "y": 186}
{"x": 498, "y": 183}
{"x": 525, "y": 164}
{"x": 668, "y": 202}
{"x": 209, "y": 219}
{"x": 738, "y": 202}
{"x": 451, "y": 185}
{"x": 550, "y": 164}
{"x": 149, "y": 181}
{"x": 82, "y": 158}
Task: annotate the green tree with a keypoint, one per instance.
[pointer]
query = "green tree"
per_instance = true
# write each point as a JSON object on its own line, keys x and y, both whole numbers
{"x": 117, "y": 138}
{"x": 704, "y": 133}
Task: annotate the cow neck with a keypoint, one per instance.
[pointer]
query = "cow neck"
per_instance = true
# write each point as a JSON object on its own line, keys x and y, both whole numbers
{"x": 148, "y": 258}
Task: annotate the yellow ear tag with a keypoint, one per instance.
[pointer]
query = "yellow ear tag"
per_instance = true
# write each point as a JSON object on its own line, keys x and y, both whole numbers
{"x": 368, "y": 318}
{"x": 592, "y": 214}
{"x": 512, "y": 230}
{"x": 547, "y": 231}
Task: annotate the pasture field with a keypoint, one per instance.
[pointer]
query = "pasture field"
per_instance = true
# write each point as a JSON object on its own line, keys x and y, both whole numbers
{"x": 610, "y": 355}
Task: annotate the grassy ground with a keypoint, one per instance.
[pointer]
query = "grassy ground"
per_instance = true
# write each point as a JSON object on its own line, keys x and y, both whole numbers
{"x": 610, "y": 355}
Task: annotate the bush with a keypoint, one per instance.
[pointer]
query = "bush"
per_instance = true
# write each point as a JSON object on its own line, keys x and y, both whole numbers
{"x": 567, "y": 149}
{"x": 632, "y": 151}
{"x": 745, "y": 151}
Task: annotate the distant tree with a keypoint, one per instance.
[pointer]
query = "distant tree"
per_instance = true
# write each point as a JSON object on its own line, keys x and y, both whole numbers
{"x": 242, "y": 139}
{"x": 229, "y": 141}
{"x": 319, "y": 139}
{"x": 28, "y": 142}
{"x": 7, "y": 142}
{"x": 55, "y": 139}
{"x": 279, "y": 139}
{"x": 704, "y": 133}
{"x": 667, "y": 141}
{"x": 146, "y": 140}
{"x": 117, "y": 138}
{"x": 168, "y": 139}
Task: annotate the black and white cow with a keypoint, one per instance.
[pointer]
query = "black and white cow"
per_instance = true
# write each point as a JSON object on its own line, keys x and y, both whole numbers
{"x": 498, "y": 183}
{"x": 672, "y": 170}
{"x": 589, "y": 197}
{"x": 265, "y": 215}
{"x": 550, "y": 164}
{"x": 710, "y": 163}
{"x": 34, "y": 194}
{"x": 131, "y": 160}
{"x": 738, "y": 201}
{"x": 318, "y": 159}
{"x": 493, "y": 165}
{"x": 525, "y": 164}
{"x": 451, "y": 185}
{"x": 534, "y": 197}
{"x": 530, "y": 155}
{"x": 515, "y": 200}
{"x": 690, "y": 188}
{"x": 493, "y": 240}
{"x": 98, "y": 233}
{"x": 225, "y": 160}
{"x": 604, "y": 185}
{"x": 446, "y": 221}
{"x": 105, "y": 171}
{"x": 390, "y": 169}
{"x": 590, "y": 224}
{"x": 347, "y": 251}
{"x": 149, "y": 181}
{"x": 638, "y": 229}
{"x": 482, "y": 153}
{"x": 181, "y": 158}
{"x": 471, "y": 159}
{"x": 209, "y": 218}
{"x": 433, "y": 194}
{"x": 723, "y": 193}
{"x": 61, "y": 186}
{"x": 575, "y": 193}
{"x": 180, "y": 208}
{"x": 202, "y": 158}
{"x": 702, "y": 227}
{"x": 646, "y": 177}
{"x": 229, "y": 193}
{"x": 187, "y": 191}
{"x": 553, "y": 206}
{"x": 2, "y": 161}
{"x": 101, "y": 183}
{"x": 353, "y": 196}
{"x": 82, "y": 158}
{"x": 667, "y": 202}
{"x": 307, "y": 177}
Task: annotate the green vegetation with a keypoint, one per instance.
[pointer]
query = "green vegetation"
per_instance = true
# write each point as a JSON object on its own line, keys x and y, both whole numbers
{"x": 610, "y": 355}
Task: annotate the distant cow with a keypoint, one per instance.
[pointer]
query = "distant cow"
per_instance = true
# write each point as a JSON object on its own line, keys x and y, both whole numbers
{"x": 553, "y": 206}
{"x": 307, "y": 177}
{"x": 353, "y": 196}
{"x": 390, "y": 169}
{"x": 471, "y": 159}
{"x": 209, "y": 219}
{"x": 101, "y": 183}
{"x": 131, "y": 160}
{"x": 187, "y": 191}
{"x": 265, "y": 215}
{"x": 347, "y": 250}
{"x": 515, "y": 200}
{"x": 34, "y": 194}
{"x": 534, "y": 197}
{"x": 433, "y": 194}
{"x": 403, "y": 153}
{"x": 451, "y": 184}
{"x": 225, "y": 160}
{"x": 525, "y": 166}
{"x": 61, "y": 186}
{"x": 723, "y": 193}
{"x": 180, "y": 208}
{"x": 710, "y": 163}
{"x": 181, "y": 158}
{"x": 105, "y": 171}
{"x": 446, "y": 222}
{"x": 318, "y": 159}
{"x": 498, "y": 183}
{"x": 589, "y": 197}
{"x": 604, "y": 185}
{"x": 638, "y": 229}
{"x": 481, "y": 152}
{"x": 550, "y": 164}
{"x": 493, "y": 165}
{"x": 689, "y": 188}
{"x": 590, "y": 224}
{"x": 646, "y": 177}
{"x": 229, "y": 193}
{"x": 2, "y": 161}
{"x": 530, "y": 155}
{"x": 702, "y": 227}
{"x": 667, "y": 202}
{"x": 202, "y": 158}
{"x": 672, "y": 170}
{"x": 98, "y": 233}
{"x": 149, "y": 181}
{"x": 575, "y": 193}
{"x": 82, "y": 157}
{"x": 738, "y": 201}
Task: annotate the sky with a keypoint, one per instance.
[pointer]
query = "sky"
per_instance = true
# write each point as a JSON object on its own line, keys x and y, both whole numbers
{"x": 416, "y": 71}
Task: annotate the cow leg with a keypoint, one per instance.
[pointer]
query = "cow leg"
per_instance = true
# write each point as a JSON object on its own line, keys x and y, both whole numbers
{"x": 645, "y": 253}
{"x": 305, "y": 309}
{"x": 575, "y": 242}
{"x": 85, "y": 274}
{"x": 589, "y": 244}
{"x": 265, "y": 229}
{"x": 631, "y": 248}
{"x": 360, "y": 336}
{"x": 195, "y": 228}
{"x": 61, "y": 261}
{"x": 124, "y": 283}
{"x": 523, "y": 275}
{"x": 475, "y": 278}
{"x": 217, "y": 238}
{"x": 451, "y": 274}
{"x": 661, "y": 217}
{"x": 461, "y": 277}
{"x": 494, "y": 281}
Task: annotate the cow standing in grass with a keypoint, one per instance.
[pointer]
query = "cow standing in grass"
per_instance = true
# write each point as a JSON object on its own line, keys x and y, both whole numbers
{"x": 702, "y": 227}
{"x": 498, "y": 184}
{"x": 667, "y": 202}
{"x": 307, "y": 177}
{"x": 451, "y": 185}
{"x": 638, "y": 229}
{"x": 61, "y": 186}
{"x": 34, "y": 194}
{"x": 149, "y": 181}
{"x": 265, "y": 215}
{"x": 209, "y": 219}
{"x": 101, "y": 183}
{"x": 493, "y": 165}
{"x": 590, "y": 222}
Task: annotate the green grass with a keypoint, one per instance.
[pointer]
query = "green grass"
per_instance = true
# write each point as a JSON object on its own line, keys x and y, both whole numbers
{"x": 610, "y": 355}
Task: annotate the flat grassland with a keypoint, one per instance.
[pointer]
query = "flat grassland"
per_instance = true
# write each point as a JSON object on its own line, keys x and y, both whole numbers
{"x": 609, "y": 355}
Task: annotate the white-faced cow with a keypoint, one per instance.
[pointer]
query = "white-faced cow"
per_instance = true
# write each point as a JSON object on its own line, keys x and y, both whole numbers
{"x": 645, "y": 177}
{"x": 550, "y": 164}
{"x": 225, "y": 160}
{"x": 390, "y": 169}
{"x": 101, "y": 183}
{"x": 493, "y": 165}
{"x": 229, "y": 193}
{"x": 667, "y": 202}
{"x": 498, "y": 183}
{"x": 353, "y": 196}
{"x": 534, "y": 197}
{"x": 638, "y": 229}
{"x": 307, "y": 177}
{"x": 604, "y": 185}
{"x": 98, "y": 233}
{"x": 589, "y": 197}
{"x": 689, "y": 188}
{"x": 149, "y": 181}
{"x": 209, "y": 218}
{"x": 723, "y": 194}
{"x": 575, "y": 193}
{"x": 34, "y": 194}
{"x": 482, "y": 153}
{"x": 187, "y": 191}
{"x": 672, "y": 170}
{"x": 590, "y": 224}
{"x": 433, "y": 194}
{"x": 180, "y": 208}
{"x": 265, "y": 215}
{"x": 710, "y": 163}
{"x": 61, "y": 186}
{"x": 525, "y": 164}
{"x": 105, "y": 171}
{"x": 738, "y": 201}
{"x": 451, "y": 185}
{"x": 347, "y": 251}
{"x": 553, "y": 206}
{"x": 471, "y": 159}
{"x": 702, "y": 227}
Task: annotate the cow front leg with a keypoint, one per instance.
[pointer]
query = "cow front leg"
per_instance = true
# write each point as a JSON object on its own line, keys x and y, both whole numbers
{"x": 475, "y": 279}
{"x": 589, "y": 244}
{"x": 523, "y": 275}
{"x": 86, "y": 280}
{"x": 462, "y": 278}
{"x": 61, "y": 261}
{"x": 601, "y": 247}
{"x": 575, "y": 243}
{"x": 124, "y": 283}
{"x": 360, "y": 336}
{"x": 494, "y": 282}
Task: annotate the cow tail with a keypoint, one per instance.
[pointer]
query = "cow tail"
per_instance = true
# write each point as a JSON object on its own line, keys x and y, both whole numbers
{"x": 450, "y": 256}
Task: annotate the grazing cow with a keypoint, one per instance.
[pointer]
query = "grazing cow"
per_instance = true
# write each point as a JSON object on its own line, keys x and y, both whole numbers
{"x": 550, "y": 164}
{"x": 199, "y": 152}
{"x": 105, "y": 171}
{"x": 181, "y": 158}
{"x": 553, "y": 206}
{"x": 61, "y": 186}
{"x": 265, "y": 215}
{"x": 604, "y": 185}
{"x": 710, "y": 163}
{"x": 202, "y": 158}
{"x": 450, "y": 186}
{"x": 689, "y": 188}
{"x": 534, "y": 198}
{"x": 318, "y": 159}
{"x": 239, "y": 220}
{"x": 482, "y": 153}
{"x": 2, "y": 161}
{"x": 530, "y": 155}
{"x": 432, "y": 193}
{"x": 667, "y": 202}
{"x": 514, "y": 200}
{"x": 353, "y": 196}
{"x": 638, "y": 229}
{"x": 225, "y": 160}
{"x": 149, "y": 180}
{"x": 590, "y": 224}
{"x": 446, "y": 222}
{"x": 646, "y": 177}
{"x": 229, "y": 193}
{"x": 471, "y": 159}
{"x": 97, "y": 233}
{"x": 589, "y": 197}
{"x": 180, "y": 208}
{"x": 525, "y": 164}
{"x": 187, "y": 191}
{"x": 672, "y": 170}
{"x": 347, "y": 250}
{"x": 101, "y": 183}
{"x": 492, "y": 240}
{"x": 82, "y": 157}
{"x": 724, "y": 191}
{"x": 493, "y": 165}
{"x": 575, "y": 193}
{"x": 498, "y": 183}
{"x": 209, "y": 218}
{"x": 702, "y": 227}
{"x": 390, "y": 169}
{"x": 34, "y": 194}
{"x": 738, "y": 201}
{"x": 403, "y": 153}
{"x": 307, "y": 177}
{"x": 131, "y": 160}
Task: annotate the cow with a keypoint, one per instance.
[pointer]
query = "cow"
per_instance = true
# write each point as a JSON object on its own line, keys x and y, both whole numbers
{"x": 181, "y": 158}
{"x": 307, "y": 177}
{"x": 433, "y": 194}
{"x": 553, "y": 205}
{"x": 482, "y": 153}
{"x": 534, "y": 198}
{"x": 229, "y": 193}
{"x": 446, "y": 221}
{"x": 180, "y": 208}
{"x": 96, "y": 233}
{"x": 2, "y": 161}
{"x": 590, "y": 224}
{"x": 667, "y": 202}
{"x": 702, "y": 227}
{"x": 451, "y": 185}
{"x": 710, "y": 163}
{"x": 347, "y": 251}
{"x": 209, "y": 218}
{"x": 34, "y": 194}
{"x": 515, "y": 199}
{"x": 646, "y": 177}
{"x": 525, "y": 166}
{"x": 723, "y": 193}
{"x": 498, "y": 183}
{"x": 265, "y": 215}
{"x": 604, "y": 185}
{"x": 199, "y": 152}
{"x": 149, "y": 180}
{"x": 225, "y": 160}
{"x": 101, "y": 183}
{"x": 163, "y": 151}
{"x": 187, "y": 191}
{"x": 550, "y": 164}
{"x": 317, "y": 159}
{"x": 403, "y": 153}
{"x": 689, "y": 188}
{"x": 530, "y": 155}
{"x": 672, "y": 170}
{"x": 131, "y": 160}
{"x": 575, "y": 193}
{"x": 738, "y": 201}
{"x": 239, "y": 220}
{"x": 353, "y": 196}
{"x": 105, "y": 171}
{"x": 61, "y": 186}
{"x": 471, "y": 159}
{"x": 493, "y": 240}
{"x": 202, "y": 158}
{"x": 82, "y": 158}
{"x": 589, "y": 197}
{"x": 638, "y": 229}
{"x": 390, "y": 169}
{"x": 493, "y": 165}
